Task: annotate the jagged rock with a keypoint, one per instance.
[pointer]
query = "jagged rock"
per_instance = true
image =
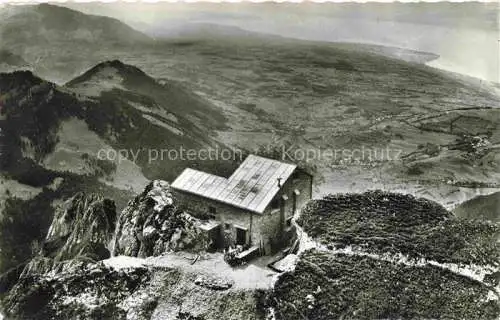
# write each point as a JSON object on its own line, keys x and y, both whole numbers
{"x": 151, "y": 225}
{"x": 84, "y": 226}
{"x": 80, "y": 231}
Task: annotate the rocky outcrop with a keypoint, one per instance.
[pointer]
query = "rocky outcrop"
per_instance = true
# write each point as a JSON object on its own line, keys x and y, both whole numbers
{"x": 64, "y": 281}
{"x": 151, "y": 225}
{"x": 81, "y": 291}
{"x": 80, "y": 231}
{"x": 84, "y": 227}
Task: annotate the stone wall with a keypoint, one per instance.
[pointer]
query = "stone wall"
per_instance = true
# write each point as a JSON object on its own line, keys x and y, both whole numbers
{"x": 225, "y": 214}
{"x": 278, "y": 226}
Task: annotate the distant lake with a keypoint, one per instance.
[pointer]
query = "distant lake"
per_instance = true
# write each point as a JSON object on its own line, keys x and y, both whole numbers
{"x": 470, "y": 52}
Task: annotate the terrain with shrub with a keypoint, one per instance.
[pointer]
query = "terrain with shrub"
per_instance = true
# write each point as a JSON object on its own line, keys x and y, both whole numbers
{"x": 380, "y": 222}
{"x": 381, "y": 255}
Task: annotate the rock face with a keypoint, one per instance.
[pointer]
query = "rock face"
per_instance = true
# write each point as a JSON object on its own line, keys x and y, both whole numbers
{"x": 79, "y": 291}
{"x": 151, "y": 225}
{"x": 81, "y": 229}
{"x": 84, "y": 226}
{"x": 64, "y": 281}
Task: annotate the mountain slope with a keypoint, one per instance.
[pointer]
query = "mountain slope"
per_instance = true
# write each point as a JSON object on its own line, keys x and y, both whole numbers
{"x": 58, "y": 41}
{"x": 166, "y": 100}
{"x": 56, "y": 141}
{"x": 383, "y": 255}
{"x": 48, "y": 23}
{"x": 345, "y": 97}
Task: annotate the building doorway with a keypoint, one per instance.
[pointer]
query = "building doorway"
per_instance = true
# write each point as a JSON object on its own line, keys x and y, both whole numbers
{"x": 241, "y": 236}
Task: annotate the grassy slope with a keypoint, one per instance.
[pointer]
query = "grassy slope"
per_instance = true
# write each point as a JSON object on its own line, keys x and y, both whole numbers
{"x": 11, "y": 59}
{"x": 96, "y": 292}
{"x": 328, "y": 285}
{"x": 345, "y": 287}
{"x": 335, "y": 97}
{"x": 391, "y": 223}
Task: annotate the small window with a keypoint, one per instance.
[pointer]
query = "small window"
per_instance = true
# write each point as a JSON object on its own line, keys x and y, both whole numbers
{"x": 227, "y": 226}
{"x": 212, "y": 210}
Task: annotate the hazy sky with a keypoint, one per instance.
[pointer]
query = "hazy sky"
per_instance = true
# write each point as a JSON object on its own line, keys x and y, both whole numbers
{"x": 218, "y": 1}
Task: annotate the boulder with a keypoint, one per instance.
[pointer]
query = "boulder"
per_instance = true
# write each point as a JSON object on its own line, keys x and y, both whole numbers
{"x": 213, "y": 283}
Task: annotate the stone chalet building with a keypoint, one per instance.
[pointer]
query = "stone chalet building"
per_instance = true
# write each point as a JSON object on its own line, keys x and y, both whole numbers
{"x": 252, "y": 208}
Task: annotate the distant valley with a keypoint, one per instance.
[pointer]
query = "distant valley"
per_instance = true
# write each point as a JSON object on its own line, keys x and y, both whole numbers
{"x": 336, "y": 96}
{"x": 248, "y": 80}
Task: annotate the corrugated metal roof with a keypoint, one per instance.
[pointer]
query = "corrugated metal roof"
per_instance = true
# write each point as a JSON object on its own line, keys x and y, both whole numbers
{"x": 251, "y": 187}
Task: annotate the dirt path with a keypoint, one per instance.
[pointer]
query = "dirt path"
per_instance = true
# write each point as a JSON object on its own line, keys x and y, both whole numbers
{"x": 250, "y": 276}
{"x": 474, "y": 272}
